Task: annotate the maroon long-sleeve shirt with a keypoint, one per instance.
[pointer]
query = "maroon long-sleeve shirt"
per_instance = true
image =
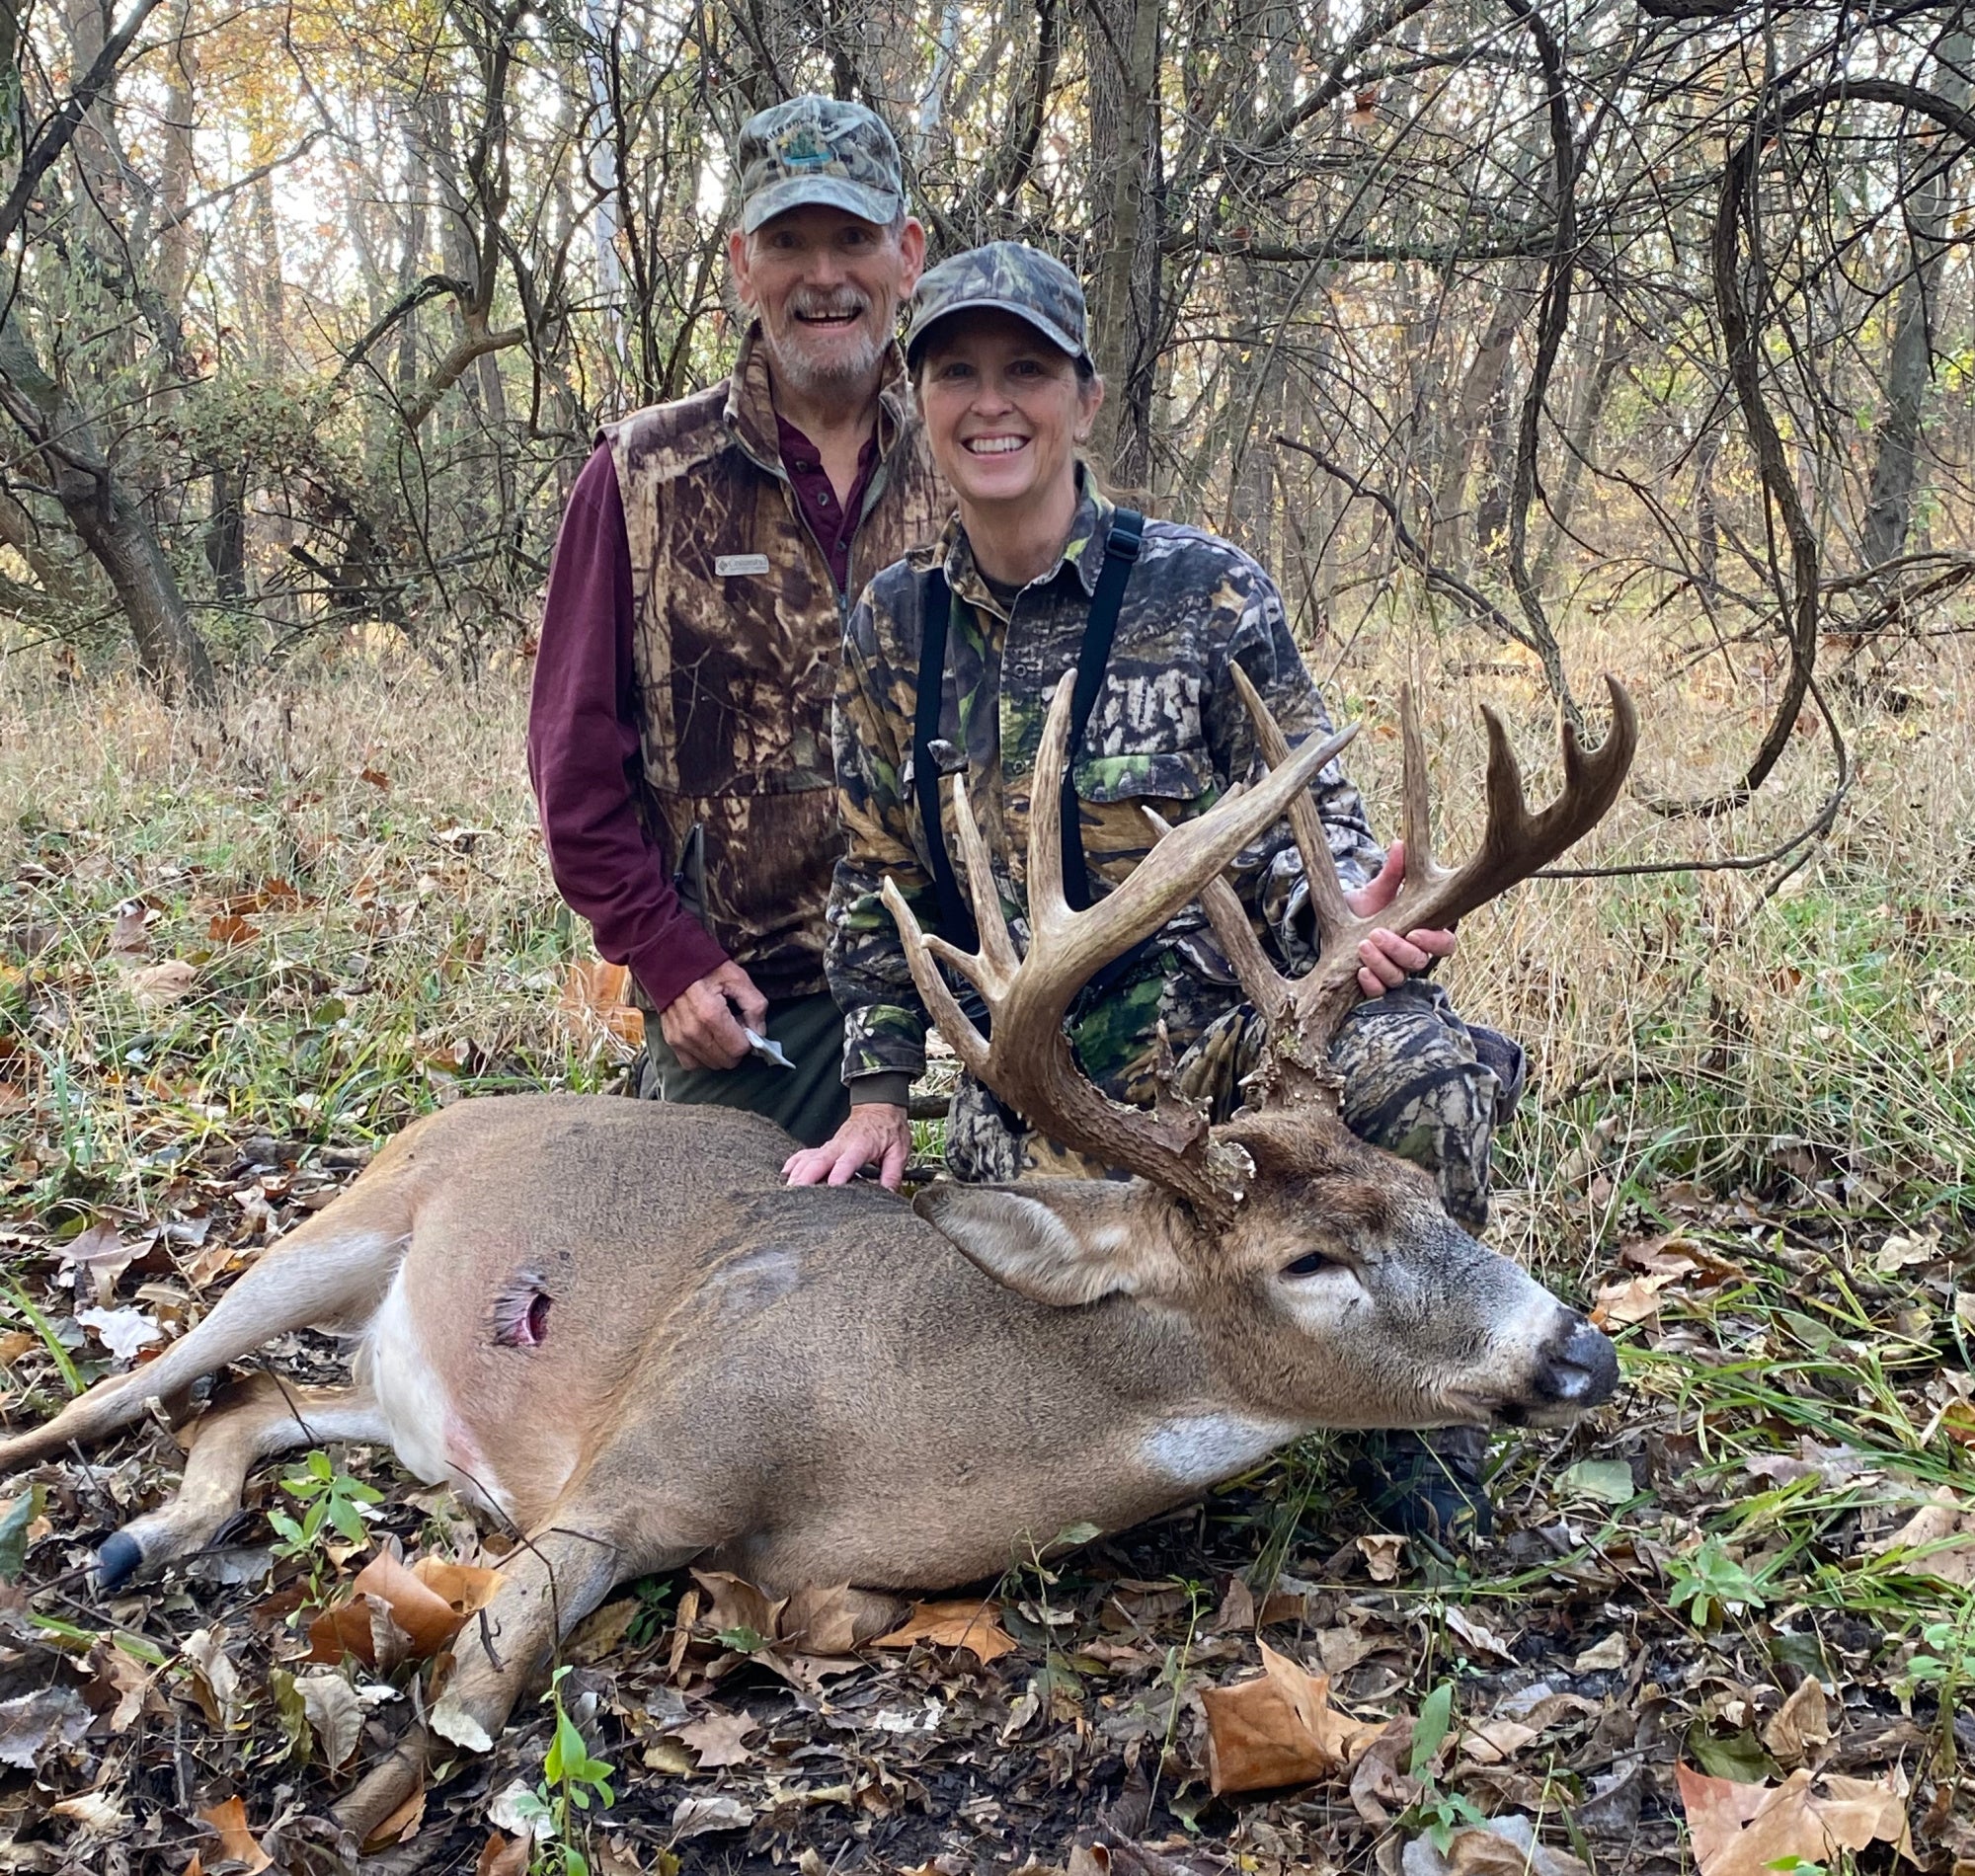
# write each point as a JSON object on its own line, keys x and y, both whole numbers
{"x": 583, "y": 749}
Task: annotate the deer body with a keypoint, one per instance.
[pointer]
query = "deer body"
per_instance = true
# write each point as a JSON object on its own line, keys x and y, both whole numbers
{"x": 611, "y": 1323}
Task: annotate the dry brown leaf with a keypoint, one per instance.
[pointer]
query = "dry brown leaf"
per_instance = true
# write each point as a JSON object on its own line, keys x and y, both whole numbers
{"x": 468, "y": 1587}
{"x": 969, "y": 1623}
{"x": 1507, "y": 1846}
{"x": 1743, "y": 1830}
{"x": 1947, "y": 1530}
{"x": 335, "y": 1712}
{"x": 1621, "y": 1304}
{"x": 237, "y": 1844}
{"x": 1495, "y": 1741}
{"x": 1279, "y": 1730}
{"x": 716, "y": 1736}
{"x": 505, "y": 1855}
{"x": 734, "y": 1602}
{"x": 1378, "y": 1787}
{"x": 215, "y": 1682}
{"x": 1383, "y": 1551}
{"x": 832, "y": 1621}
{"x": 1801, "y": 1722}
{"x": 400, "y": 1825}
{"x": 597, "y": 996}
{"x": 155, "y": 986}
{"x": 1604, "y": 1657}
{"x": 229, "y": 928}
{"x": 96, "y": 1812}
{"x": 384, "y": 1586}
{"x": 374, "y": 777}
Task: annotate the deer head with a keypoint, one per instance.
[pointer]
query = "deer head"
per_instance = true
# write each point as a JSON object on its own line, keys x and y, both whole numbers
{"x": 1324, "y": 1272}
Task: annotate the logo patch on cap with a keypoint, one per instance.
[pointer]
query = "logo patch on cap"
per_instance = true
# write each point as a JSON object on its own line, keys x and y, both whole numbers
{"x": 797, "y": 149}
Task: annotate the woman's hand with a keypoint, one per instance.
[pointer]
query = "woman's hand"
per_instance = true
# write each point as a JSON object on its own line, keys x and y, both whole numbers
{"x": 1385, "y": 960}
{"x": 874, "y": 1134}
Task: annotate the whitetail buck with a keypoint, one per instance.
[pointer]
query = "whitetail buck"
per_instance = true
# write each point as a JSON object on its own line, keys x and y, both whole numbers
{"x": 611, "y": 1323}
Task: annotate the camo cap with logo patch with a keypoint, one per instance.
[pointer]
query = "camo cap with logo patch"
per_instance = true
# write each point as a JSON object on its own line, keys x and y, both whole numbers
{"x": 1007, "y": 276}
{"x": 818, "y": 150}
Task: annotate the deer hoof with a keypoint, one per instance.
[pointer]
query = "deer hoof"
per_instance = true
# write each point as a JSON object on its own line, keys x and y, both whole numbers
{"x": 117, "y": 1559}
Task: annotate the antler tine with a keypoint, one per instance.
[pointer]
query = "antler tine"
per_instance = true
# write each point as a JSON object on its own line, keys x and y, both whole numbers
{"x": 1264, "y": 986}
{"x": 997, "y": 946}
{"x": 1514, "y": 844}
{"x": 1028, "y": 1061}
{"x": 1320, "y": 869}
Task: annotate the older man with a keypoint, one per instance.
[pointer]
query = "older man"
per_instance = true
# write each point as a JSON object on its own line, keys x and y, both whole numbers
{"x": 679, "y": 735}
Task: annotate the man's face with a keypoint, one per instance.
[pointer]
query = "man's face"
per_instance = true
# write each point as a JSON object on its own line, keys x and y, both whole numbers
{"x": 826, "y": 285}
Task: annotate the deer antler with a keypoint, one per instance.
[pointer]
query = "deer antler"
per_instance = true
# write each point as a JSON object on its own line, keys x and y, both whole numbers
{"x": 1028, "y": 1063}
{"x": 1304, "y": 1013}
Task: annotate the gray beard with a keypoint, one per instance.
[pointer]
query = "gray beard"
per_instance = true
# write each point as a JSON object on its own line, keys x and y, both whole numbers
{"x": 812, "y": 378}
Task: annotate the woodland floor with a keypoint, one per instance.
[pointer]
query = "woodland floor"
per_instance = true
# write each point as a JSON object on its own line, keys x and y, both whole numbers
{"x": 227, "y": 970}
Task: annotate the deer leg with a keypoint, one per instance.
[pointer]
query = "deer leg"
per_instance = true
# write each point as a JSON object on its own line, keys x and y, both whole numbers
{"x": 243, "y": 1426}
{"x": 334, "y": 1268}
{"x": 549, "y": 1584}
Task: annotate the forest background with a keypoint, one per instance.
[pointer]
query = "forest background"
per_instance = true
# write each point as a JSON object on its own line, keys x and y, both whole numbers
{"x": 1521, "y": 342}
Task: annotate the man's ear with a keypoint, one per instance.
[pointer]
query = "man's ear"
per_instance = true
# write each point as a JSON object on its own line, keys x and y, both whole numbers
{"x": 737, "y": 263}
{"x": 1061, "y": 1241}
{"x": 911, "y": 257}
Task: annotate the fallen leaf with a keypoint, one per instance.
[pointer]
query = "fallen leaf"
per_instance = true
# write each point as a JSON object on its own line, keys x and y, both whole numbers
{"x": 697, "y": 1816}
{"x": 215, "y": 1682}
{"x": 1494, "y": 1742}
{"x": 1743, "y": 1830}
{"x": 237, "y": 1844}
{"x": 1942, "y": 1532}
{"x": 126, "y": 930}
{"x": 374, "y": 777}
{"x": 121, "y": 1331}
{"x": 1507, "y": 1846}
{"x": 1279, "y": 1730}
{"x": 734, "y": 1603}
{"x": 1477, "y": 1635}
{"x": 1606, "y": 1657}
{"x": 35, "y": 1726}
{"x": 1381, "y": 1551}
{"x": 94, "y": 1811}
{"x": 516, "y": 1810}
{"x": 1609, "y": 1481}
{"x": 427, "y": 1620}
{"x": 1378, "y": 1787}
{"x": 155, "y": 986}
{"x": 595, "y": 996}
{"x": 1801, "y": 1722}
{"x": 505, "y": 1855}
{"x": 1621, "y": 1305}
{"x": 335, "y": 1712}
{"x": 832, "y": 1621}
{"x": 468, "y": 1587}
{"x": 102, "y": 1252}
{"x": 717, "y": 1737}
{"x": 1903, "y": 1248}
{"x": 229, "y": 928}
{"x": 401, "y": 1824}
{"x": 969, "y": 1623}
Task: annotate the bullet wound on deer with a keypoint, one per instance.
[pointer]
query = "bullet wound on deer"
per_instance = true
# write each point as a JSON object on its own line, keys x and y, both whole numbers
{"x": 521, "y": 1312}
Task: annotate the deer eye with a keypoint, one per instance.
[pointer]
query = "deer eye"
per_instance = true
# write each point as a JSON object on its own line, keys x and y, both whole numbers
{"x": 1311, "y": 1264}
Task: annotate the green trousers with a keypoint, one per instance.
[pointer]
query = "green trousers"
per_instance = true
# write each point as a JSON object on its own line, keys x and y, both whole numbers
{"x": 809, "y": 1100}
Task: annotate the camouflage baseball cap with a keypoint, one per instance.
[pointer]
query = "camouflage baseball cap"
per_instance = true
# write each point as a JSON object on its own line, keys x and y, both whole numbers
{"x": 1010, "y": 278}
{"x": 818, "y": 150}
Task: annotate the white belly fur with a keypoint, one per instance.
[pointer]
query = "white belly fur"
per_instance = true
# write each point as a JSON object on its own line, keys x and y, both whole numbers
{"x": 417, "y": 1409}
{"x": 1200, "y": 1449}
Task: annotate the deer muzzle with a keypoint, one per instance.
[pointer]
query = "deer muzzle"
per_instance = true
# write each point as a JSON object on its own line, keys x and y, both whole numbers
{"x": 1578, "y": 1367}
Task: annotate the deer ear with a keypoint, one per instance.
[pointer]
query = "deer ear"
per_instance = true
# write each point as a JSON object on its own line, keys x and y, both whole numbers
{"x": 1060, "y": 1241}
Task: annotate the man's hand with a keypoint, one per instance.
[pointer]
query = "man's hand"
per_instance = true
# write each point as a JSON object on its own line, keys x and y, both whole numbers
{"x": 700, "y": 1025}
{"x": 1385, "y": 960}
{"x": 874, "y": 1134}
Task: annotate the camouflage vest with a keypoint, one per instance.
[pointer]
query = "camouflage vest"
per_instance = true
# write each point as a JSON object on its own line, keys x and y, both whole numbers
{"x": 740, "y": 631}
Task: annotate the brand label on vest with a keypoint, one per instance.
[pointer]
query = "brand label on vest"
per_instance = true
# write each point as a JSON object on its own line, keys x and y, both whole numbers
{"x": 726, "y": 565}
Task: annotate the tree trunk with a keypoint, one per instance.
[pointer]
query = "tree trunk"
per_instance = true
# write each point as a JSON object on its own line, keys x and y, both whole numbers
{"x": 1910, "y": 367}
{"x": 64, "y": 445}
{"x": 1121, "y": 56}
{"x": 1480, "y": 388}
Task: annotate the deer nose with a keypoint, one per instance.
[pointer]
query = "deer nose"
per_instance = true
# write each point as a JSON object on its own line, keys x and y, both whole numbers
{"x": 1580, "y": 1367}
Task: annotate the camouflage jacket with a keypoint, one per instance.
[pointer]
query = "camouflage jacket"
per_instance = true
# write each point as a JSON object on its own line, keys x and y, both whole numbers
{"x": 1169, "y": 729}
{"x": 738, "y": 628}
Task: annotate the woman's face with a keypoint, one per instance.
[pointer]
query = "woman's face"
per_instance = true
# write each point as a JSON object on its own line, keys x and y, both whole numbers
{"x": 1004, "y": 411}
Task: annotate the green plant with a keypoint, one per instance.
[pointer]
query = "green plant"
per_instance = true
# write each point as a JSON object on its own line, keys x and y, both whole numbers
{"x": 570, "y": 1778}
{"x": 1435, "y": 1812}
{"x": 1709, "y": 1580}
{"x": 330, "y": 1501}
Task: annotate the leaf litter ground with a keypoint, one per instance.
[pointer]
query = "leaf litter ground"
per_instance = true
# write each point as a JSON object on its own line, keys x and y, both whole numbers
{"x": 1729, "y": 1617}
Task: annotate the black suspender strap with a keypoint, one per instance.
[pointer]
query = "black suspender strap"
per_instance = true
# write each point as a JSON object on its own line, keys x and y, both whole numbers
{"x": 956, "y": 921}
{"x": 1121, "y": 554}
